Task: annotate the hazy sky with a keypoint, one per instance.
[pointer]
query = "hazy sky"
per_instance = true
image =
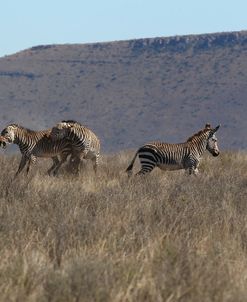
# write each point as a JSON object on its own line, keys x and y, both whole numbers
{"x": 27, "y": 23}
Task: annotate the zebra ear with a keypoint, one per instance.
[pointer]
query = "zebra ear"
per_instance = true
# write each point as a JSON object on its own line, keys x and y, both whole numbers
{"x": 207, "y": 126}
{"x": 216, "y": 128}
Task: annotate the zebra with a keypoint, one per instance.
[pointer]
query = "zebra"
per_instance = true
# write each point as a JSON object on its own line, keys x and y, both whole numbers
{"x": 3, "y": 142}
{"x": 83, "y": 140}
{"x": 33, "y": 144}
{"x": 185, "y": 155}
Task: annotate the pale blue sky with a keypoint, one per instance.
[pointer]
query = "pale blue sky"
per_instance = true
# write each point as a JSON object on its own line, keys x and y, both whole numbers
{"x": 27, "y": 23}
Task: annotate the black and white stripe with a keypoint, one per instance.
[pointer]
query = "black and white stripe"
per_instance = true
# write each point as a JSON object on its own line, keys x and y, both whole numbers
{"x": 83, "y": 140}
{"x": 33, "y": 144}
{"x": 185, "y": 155}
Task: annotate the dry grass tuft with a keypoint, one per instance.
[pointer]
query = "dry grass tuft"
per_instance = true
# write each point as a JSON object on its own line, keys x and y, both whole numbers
{"x": 164, "y": 237}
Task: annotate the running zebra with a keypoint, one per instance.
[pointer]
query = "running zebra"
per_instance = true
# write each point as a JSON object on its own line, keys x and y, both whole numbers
{"x": 83, "y": 140}
{"x": 185, "y": 155}
{"x": 33, "y": 144}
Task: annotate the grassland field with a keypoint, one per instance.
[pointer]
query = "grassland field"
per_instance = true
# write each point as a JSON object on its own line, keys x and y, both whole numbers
{"x": 167, "y": 236}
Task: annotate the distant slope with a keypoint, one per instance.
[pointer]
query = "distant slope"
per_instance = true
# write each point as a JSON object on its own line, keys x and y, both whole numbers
{"x": 131, "y": 92}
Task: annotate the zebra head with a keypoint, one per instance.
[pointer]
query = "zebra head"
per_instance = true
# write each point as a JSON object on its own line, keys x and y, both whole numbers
{"x": 212, "y": 145}
{"x": 3, "y": 142}
{"x": 9, "y": 133}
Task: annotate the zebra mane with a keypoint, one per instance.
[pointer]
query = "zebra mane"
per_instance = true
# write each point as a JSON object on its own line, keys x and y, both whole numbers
{"x": 21, "y": 127}
{"x": 73, "y": 122}
{"x": 14, "y": 125}
{"x": 199, "y": 133}
{"x": 70, "y": 122}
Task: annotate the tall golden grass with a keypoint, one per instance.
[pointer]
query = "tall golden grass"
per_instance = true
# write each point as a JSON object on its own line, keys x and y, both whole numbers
{"x": 163, "y": 237}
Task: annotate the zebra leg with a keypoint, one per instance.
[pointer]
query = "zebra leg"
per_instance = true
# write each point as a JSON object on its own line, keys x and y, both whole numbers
{"x": 147, "y": 160}
{"x": 146, "y": 168}
{"x": 193, "y": 171}
{"x": 74, "y": 163}
{"x": 31, "y": 160}
{"x": 28, "y": 165}
{"x": 62, "y": 161}
{"x": 21, "y": 165}
{"x": 55, "y": 163}
{"x": 193, "y": 167}
{"x": 95, "y": 161}
{"x": 196, "y": 171}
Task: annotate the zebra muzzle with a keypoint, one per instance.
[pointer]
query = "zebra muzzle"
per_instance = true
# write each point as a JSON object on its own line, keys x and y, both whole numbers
{"x": 3, "y": 144}
{"x": 216, "y": 153}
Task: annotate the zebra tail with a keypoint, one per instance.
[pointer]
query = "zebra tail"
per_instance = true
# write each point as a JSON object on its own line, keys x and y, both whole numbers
{"x": 130, "y": 167}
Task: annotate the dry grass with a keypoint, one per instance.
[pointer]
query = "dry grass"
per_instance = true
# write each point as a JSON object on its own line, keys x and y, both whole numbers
{"x": 164, "y": 237}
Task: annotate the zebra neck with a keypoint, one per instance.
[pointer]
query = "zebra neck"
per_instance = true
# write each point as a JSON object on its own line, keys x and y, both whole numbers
{"x": 22, "y": 140}
{"x": 199, "y": 144}
{"x": 76, "y": 136}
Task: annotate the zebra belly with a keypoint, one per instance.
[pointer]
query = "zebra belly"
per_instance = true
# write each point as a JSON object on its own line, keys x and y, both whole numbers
{"x": 170, "y": 167}
{"x": 46, "y": 154}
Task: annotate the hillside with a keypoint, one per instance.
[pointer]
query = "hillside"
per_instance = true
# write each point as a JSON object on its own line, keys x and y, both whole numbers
{"x": 131, "y": 92}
